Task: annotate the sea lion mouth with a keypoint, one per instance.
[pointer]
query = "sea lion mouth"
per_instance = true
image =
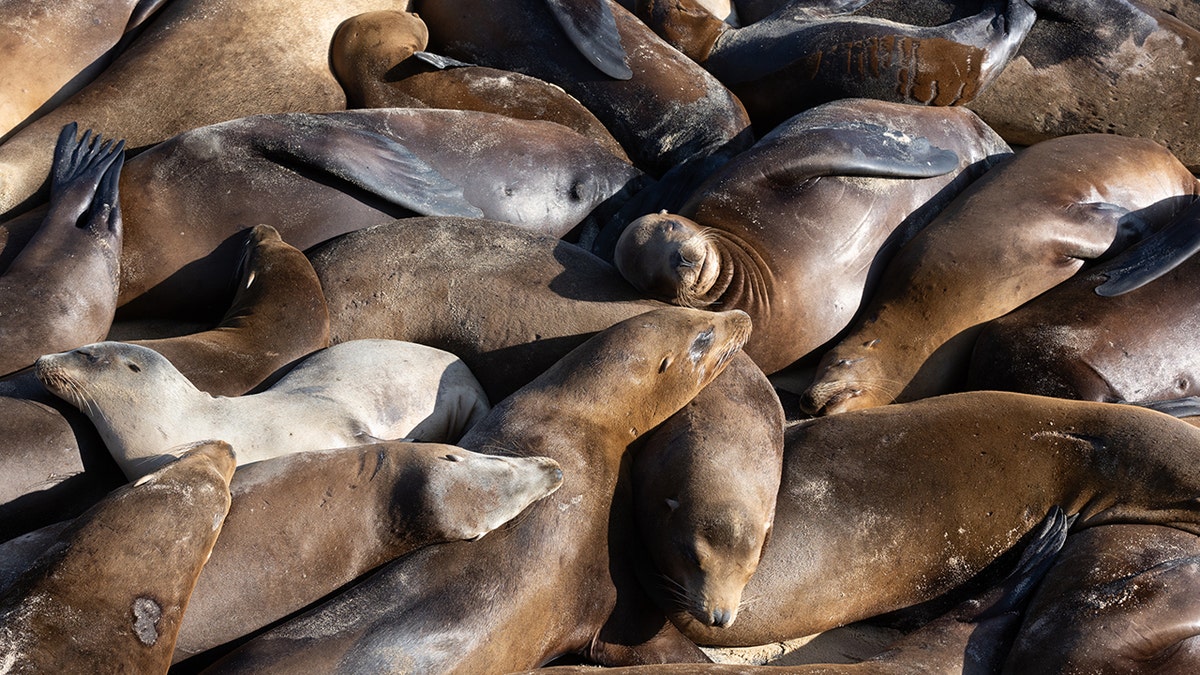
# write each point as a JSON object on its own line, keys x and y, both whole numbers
{"x": 830, "y": 398}
{"x": 58, "y": 381}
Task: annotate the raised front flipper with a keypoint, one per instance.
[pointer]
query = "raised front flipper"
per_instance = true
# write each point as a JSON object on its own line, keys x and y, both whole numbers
{"x": 83, "y": 180}
{"x": 380, "y": 165}
{"x": 1154, "y": 256}
{"x": 440, "y": 62}
{"x": 591, "y": 27}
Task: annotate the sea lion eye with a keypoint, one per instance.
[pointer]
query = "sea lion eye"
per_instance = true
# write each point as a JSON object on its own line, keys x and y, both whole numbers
{"x": 666, "y": 363}
{"x": 134, "y": 367}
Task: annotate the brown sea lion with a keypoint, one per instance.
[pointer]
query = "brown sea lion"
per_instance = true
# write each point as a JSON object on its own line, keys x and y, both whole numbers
{"x": 883, "y": 508}
{"x": 61, "y": 291}
{"x": 973, "y": 637}
{"x": 304, "y": 525}
{"x": 1021, "y": 229}
{"x": 269, "y": 57}
{"x": 795, "y": 230}
{"x": 278, "y": 316}
{"x": 705, "y": 502}
{"x": 313, "y": 177}
{"x": 1099, "y": 336}
{"x": 458, "y": 607}
{"x": 662, "y": 107}
{"x": 1120, "y": 599}
{"x": 791, "y": 61}
{"x": 52, "y": 49}
{"x": 380, "y": 60}
{"x": 110, "y": 594}
{"x": 348, "y": 394}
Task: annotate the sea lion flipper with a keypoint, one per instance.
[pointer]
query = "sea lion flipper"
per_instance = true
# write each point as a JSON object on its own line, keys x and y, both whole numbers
{"x": 440, "y": 62}
{"x": 376, "y": 163}
{"x": 862, "y": 149}
{"x": 1035, "y": 560}
{"x": 592, "y": 28}
{"x": 1186, "y": 406}
{"x": 1154, "y": 256}
{"x": 84, "y": 174}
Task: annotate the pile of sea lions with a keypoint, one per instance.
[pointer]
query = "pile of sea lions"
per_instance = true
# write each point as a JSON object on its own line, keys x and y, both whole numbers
{"x": 432, "y": 336}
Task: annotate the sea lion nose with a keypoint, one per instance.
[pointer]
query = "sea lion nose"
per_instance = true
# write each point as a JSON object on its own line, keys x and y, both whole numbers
{"x": 722, "y": 618}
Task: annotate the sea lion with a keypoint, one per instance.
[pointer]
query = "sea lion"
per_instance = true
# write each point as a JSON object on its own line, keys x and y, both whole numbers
{"x": 345, "y": 395}
{"x": 379, "y": 59}
{"x": 795, "y": 230}
{"x": 884, "y": 508}
{"x": 1121, "y": 598}
{"x": 790, "y": 61}
{"x": 60, "y": 292}
{"x": 313, "y": 177}
{"x": 278, "y": 316}
{"x": 456, "y": 607}
{"x": 973, "y": 637}
{"x": 54, "y": 464}
{"x": 270, "y": 57}
{"x": 110, "y": 593}
{"x": 303, "y": 525}
{"x": 1099, "y": 337}
{"x": 661, "y": 107}
{"x": 1021, "y": 229}
{"x": 706, "y": 542}
{"x": 52, "y": 49}
{"x": 1090, "y": 66}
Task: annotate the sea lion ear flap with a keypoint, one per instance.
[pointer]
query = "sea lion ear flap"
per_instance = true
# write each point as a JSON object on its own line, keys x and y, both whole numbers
{"x": 860, "y": 149}
{"x": 368, "y": 160}
{"x": 592, "y": 28}
{"x": 1153, "y": 256}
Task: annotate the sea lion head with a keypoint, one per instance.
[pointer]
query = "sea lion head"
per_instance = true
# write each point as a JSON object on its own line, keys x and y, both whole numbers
{"x": 709, "y": 556}
{"x": 670, "y": 257}
{"x": 455, "y": 494}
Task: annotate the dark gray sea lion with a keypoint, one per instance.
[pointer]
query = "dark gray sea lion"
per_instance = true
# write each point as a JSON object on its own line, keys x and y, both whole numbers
{"x": 60, "y": 292}
{"x": 792, "y": 60}
{"x": 472, "y": 608}
{"x": 662, "y": 107}
{"x": 313, "y": 177}
{"x": 110, "y": 593}
{"x": 1120, "y": 599}
{"x": 796, "y": 230}
{"x": 1021, "y": 229}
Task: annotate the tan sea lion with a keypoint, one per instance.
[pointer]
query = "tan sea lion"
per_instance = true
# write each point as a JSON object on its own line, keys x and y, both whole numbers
{"x": 380, "y": 60}
{"x": 796, "y": 230}
{"x": 348, "y": 394}
{"x": 110, "y": 594}
{"x": 973, "y": 637}
{"x": 1102, "y": 335}
{"x": 303, "y": 525}
{"x": 1021, "y": 229}
{"x": 884, "y": 508}
{"x": 456, "y": 607}
{"x": 269, "y": 57}
{"x": 1121, "y": 598}
{"x": 61, "y": 291}
{"x": 791, "y": 60}
{"x": 278, "y": 316}
{"x": 659, "y": 105}
{"x": 52, "y": 49}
